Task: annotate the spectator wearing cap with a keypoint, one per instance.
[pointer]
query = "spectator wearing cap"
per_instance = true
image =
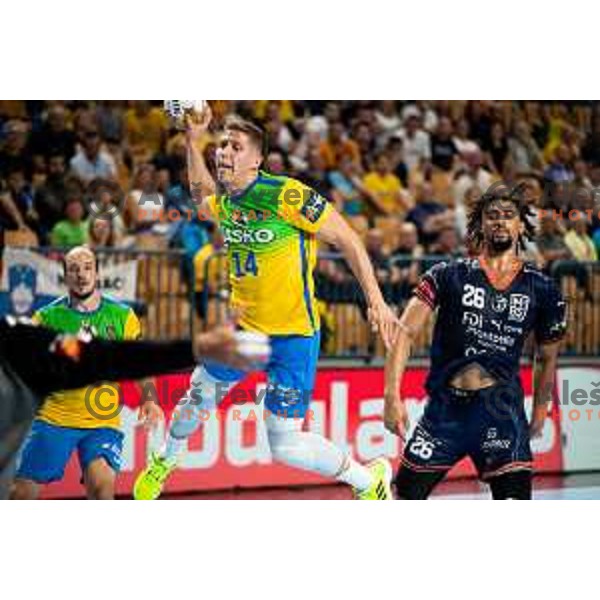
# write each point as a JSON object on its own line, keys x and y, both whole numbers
{"x": 73, "y": 229}
{"x": 424, "y": 111}
{"x": 415, "y": 141}
{"x": 91, "y": 162}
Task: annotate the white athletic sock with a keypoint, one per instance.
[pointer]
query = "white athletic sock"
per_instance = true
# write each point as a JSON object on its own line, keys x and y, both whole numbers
{"x": 356, "y": 475}
{"x": 203, "y": 396}
{"x": 311, "y": 452}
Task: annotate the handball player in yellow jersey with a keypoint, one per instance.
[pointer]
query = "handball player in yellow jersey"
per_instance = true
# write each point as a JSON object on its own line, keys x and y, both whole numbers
{"x": 271, "y": 226}
{"x": 66, "y": 423}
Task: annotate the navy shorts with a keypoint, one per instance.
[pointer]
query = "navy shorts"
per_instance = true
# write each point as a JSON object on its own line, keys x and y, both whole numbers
{"x": 489, "y": 426}
{"x": 291, "y": 374}
{"x": 48, "y": 448}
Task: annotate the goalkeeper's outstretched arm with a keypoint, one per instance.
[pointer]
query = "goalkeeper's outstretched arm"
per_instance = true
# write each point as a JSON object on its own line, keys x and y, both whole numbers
{"x": 47, "y": 362}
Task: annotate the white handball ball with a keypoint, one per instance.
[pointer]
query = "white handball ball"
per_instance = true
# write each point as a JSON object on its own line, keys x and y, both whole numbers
{"x": 176, "y": 110}
{"x": 254, "y": 346}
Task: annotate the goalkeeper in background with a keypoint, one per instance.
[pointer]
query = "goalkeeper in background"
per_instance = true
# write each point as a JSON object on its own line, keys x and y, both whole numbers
{"x": 65, "y": 423}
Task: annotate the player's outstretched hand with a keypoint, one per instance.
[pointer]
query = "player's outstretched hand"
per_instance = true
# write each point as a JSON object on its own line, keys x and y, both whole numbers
{"x": 395, "y": 416}
{"x": 150, "y": 414}
{"x": 197, "y": 124}
{"x": 385, "y": 322}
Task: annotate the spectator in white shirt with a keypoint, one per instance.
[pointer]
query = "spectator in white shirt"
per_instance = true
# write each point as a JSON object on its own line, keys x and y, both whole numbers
{"x": 91, "y": 162}
{"x": 417, "y": 148}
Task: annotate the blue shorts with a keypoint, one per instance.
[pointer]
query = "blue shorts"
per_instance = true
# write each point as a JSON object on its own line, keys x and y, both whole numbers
{"x": 48, "y": 448}
{"x": 291, "y": 374}
{"x": 489, "y": 426}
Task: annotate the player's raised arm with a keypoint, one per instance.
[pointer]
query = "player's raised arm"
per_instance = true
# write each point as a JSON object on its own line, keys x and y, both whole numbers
{"x": 202, "y": 184}
{"x": 412, "y": 320}
{"x": 336, "y": 231}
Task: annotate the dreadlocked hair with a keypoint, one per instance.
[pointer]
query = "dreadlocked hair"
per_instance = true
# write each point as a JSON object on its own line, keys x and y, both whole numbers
{"x": 500, "y": 192}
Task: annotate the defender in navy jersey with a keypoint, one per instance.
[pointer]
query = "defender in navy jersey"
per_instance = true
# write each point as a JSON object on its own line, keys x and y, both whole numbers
{"x": 486, "y": 308}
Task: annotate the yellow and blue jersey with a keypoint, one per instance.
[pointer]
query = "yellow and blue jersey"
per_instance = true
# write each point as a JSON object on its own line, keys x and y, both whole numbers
{"x": 269, "y": 231}
{"x": 112, "y": 320}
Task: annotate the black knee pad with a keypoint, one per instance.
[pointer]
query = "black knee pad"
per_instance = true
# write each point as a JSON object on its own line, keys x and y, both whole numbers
{"x": 415, "y": 485}
{"x": 515, "y": 485}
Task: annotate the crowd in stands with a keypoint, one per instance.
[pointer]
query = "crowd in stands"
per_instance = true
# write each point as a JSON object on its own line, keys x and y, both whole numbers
{"x": 404, "y": 173}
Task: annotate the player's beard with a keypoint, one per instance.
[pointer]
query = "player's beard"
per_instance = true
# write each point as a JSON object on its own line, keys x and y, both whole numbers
{"x": 83, "y": 297}
{"x": 497, "y": 246}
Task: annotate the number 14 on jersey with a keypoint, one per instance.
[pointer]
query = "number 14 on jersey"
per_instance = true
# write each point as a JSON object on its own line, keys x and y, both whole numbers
{"x": 243, "y": 267}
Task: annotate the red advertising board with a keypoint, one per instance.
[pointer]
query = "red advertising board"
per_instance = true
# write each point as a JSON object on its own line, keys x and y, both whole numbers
{"x": 232, "y": 451}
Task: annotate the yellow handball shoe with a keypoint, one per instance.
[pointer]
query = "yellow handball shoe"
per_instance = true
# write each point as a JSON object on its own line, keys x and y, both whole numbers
{"x": 381, "y": 488}
{"x": 150, "y": 482}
